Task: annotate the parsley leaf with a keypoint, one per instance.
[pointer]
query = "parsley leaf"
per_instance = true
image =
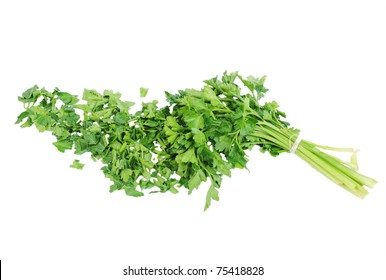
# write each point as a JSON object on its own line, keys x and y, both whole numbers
{"x": 77, "y": 164}
{"x": 143, "y": 91}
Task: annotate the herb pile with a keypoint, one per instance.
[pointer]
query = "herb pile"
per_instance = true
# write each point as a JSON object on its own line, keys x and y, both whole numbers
{"x": 200, "y": 136}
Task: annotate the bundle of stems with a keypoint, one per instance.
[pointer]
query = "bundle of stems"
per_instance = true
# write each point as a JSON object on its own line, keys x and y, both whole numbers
{"x": 342, "y": 173}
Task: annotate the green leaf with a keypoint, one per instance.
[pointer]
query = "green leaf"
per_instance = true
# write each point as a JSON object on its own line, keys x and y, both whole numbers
{"x": 29, "y": 92}
{"x": 198, "y": 136}
{"x": 188, "y": 156}
{"x": 143, "y": 91}
{"x": 173, "y": 124}
{"x": 210, "y": 95}
{"x": 248, "y": 126}
{"x": 198, "y": 177}
{"x": 63, "y": 145}
{"x": 114, "y": 100}
{"x": 151, "y": 123}
{"x": 93, "y": 98}
{"x": 27, "y": 123}
{"x": 223, "y": 143}
{"x": 67, "y": 98}
{"x": 172, "y": 135}
{"x": 30, "y": 95}
{"x": 237, "y": 157}
{"x": 91, "y": 138}
{"x": 80, "y": 146}
{"x": 255, "y": 85}
{"x": 121, "y": 118}
{"x": 21, "y": 117}
{"x": 42, "y": 122}
{"x": 133, "y": 192}
{"x": 77, "y": 164}
{"x": 212, "y": 194}
{"x": 149, "y": 109}
{"x": 194, "y": 120}
{"x": 126, "y": 174}
{"x": 60, "y": 132}
{"x": 222, "y": 166}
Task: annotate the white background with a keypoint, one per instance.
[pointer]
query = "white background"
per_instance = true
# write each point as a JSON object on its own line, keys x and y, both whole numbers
{"x": 326, "y": 66}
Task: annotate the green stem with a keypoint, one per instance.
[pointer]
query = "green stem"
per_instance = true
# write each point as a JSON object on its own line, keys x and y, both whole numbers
{"x": 342, "y": 173}
{"x": 331, "y": 169}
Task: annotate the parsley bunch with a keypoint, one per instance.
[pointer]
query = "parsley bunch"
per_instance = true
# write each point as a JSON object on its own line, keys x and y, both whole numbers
{"x": 200, "y": 136}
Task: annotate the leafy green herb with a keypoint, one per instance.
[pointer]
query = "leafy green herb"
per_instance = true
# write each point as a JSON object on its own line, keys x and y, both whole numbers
{"x": 201, "y": 136}
{"x": 77, "y": 164}
{"x": 143, "y": 91}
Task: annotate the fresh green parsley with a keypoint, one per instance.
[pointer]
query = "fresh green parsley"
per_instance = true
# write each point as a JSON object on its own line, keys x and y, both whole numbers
{"x": 200, "y": 136}
{"x": 77, "y": 164}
